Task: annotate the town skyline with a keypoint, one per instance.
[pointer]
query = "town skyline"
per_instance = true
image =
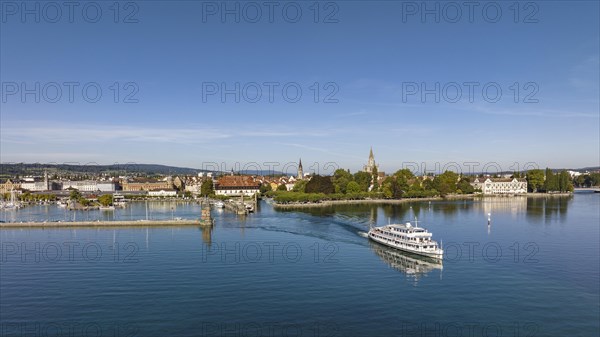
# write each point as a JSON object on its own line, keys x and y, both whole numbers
{"x": 309, "y": 167}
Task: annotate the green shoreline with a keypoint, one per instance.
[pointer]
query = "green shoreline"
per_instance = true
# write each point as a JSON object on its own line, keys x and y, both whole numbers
{"x": 329, "y": 203}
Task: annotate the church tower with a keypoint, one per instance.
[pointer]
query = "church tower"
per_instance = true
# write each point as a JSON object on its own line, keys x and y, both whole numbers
{"x": 300, "y": 172}
{"x": 46, "y": 182}
{"x": 371, "y": 163}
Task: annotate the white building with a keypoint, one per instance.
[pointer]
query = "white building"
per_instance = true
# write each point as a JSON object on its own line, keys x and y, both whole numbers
{"x": 500, "y": 185}
{"x": 81, "y": 185}
{"x": 236, "y": 186}
{"x": 163, "y": 193}
{"x": 34, "y": 186}
{"x": 106, "y": 186}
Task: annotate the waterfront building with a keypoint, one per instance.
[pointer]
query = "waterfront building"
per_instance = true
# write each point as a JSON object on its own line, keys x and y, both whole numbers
{"x": 237, "y": 185}
{"x": 81, "y": 185}
{"x": 9, "y": 185}
{"x": 106, "y": 186}
{"x": 130, "y": 185}
{"x": 163, "y": 193}
{"x": 489, "y": 185}
{"x": 34, "y": 184}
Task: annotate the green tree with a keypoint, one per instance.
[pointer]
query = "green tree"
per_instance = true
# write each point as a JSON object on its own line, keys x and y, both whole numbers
{"x": 404, "y": 174}
{"x": 319, "y": 184}
{"x": 445, "y": 183}
{"x": 387, "y": 188}
{"x": 535, "y": 180}
{"x": 282, "y": 187}
{"x": 564, "y": 182}
{"x": 428, "y": 185}
{"x": 75, "y": 194}
{"x": 594, "y": 179}
{"x": 105, "y": 200}
{"x": 375, "y": 179}
{"x": 551, "y": 183}
{"x": 353, "y": 187}
{"x": 207, "y": 188}
{"x": 579, "y": 181}
{"x": 264, "y": 188}
{"x": 392, "y": 188}
{"x": 299, "y": 186}
{"x": 341, "y": 178}
{"x": 464, "y": 185}
{"x": 363, "y": 179}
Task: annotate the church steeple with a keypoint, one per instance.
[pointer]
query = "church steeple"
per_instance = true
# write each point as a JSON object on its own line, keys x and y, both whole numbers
{"x": 371, "y": 163}
{"x": 300, "y": 171}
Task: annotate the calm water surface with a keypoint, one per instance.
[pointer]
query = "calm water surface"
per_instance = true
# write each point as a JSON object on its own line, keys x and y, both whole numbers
{"x": 533, "y": 272}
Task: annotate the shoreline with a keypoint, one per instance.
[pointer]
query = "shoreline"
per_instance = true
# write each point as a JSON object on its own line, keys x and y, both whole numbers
{"x": 115, "y": 223}
{"x": 329, "y": 203}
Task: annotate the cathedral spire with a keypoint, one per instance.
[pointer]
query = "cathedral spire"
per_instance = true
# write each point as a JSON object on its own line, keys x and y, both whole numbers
{"x": 371, "y": 163}
{"x": 300, "y": 171}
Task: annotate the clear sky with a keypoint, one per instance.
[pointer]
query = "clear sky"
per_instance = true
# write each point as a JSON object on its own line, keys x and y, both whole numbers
{"x": 371, "y": 62}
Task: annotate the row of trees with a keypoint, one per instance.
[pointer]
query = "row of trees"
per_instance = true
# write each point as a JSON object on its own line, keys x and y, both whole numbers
{"x": 35, "y": 197}
{"x": 402, "y": 184}
{"x": 548, "y": 181}
{"x": 587, "y": 180}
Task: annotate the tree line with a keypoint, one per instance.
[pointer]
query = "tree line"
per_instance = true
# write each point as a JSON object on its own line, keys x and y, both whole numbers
{"x": 344, "y": 185}
{"x": 548, "y": 181}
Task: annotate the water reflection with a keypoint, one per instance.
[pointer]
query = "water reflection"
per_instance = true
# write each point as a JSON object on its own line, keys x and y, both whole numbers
{"x": 508, "y": 205}
{"x": 413, "y": 266}
{"x": 207, "y": 234}
{"x": 548, "y": 209}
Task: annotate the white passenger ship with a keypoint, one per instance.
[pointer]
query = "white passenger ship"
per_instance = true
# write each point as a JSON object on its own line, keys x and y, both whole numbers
{"x": 406, "y": 237}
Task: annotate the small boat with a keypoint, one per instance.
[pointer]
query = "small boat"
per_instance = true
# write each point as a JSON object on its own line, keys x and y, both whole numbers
{"x": 408, "y": 238}
{"x": 219, "y": 204}
{"x": 107, "y": 208}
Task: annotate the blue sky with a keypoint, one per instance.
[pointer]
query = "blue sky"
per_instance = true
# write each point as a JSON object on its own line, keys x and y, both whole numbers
{"x": 368, "y": 61}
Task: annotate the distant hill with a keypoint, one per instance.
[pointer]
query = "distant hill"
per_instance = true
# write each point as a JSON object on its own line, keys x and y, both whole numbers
{"x": 24, "y": 169}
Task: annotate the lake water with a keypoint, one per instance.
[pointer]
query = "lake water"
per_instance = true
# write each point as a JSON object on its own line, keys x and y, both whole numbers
{"x": 533, "y": 272}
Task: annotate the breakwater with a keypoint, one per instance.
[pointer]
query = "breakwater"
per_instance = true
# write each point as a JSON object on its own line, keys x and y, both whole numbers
{"x": 115, "y": 223}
